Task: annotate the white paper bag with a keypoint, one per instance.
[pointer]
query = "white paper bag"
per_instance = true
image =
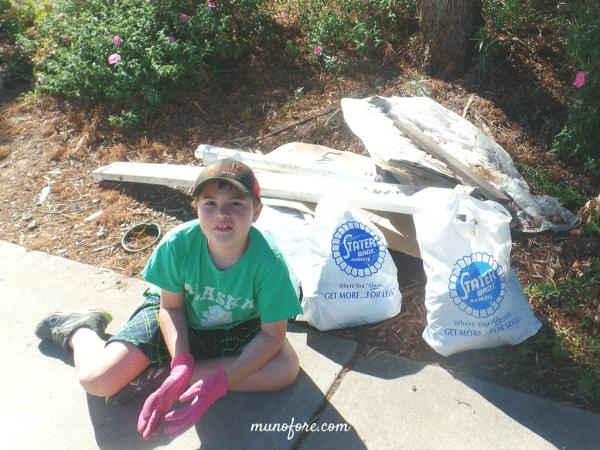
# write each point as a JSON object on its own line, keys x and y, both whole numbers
{"x": 473, "y": 298}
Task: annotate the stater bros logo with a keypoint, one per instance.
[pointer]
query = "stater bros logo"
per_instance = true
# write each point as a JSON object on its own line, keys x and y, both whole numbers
{"x": 477, "y": 285}
{"x": 357, "y": 250}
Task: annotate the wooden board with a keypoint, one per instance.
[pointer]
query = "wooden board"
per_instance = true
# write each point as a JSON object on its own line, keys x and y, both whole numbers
{"x": 149, "y": 173}
{"x": 300, "y": 159}
{"x": 325, "y": 158}
{"x": 398, "y": 229}
{"x": 361, "y": 194}
{"x": 486, "y": 189}
{"x": 391, "y": 213}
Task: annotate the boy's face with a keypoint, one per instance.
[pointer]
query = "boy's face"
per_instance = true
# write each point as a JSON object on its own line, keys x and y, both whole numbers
{"x": 226, "y": 216}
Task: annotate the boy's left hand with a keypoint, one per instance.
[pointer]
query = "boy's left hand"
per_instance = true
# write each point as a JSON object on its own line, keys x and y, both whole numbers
{"x": 204, "y": 393}
{"x": 159, "y": 402}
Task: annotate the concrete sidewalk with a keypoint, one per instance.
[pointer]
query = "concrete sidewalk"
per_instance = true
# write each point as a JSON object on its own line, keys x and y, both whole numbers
{"x": 381, "y": 402}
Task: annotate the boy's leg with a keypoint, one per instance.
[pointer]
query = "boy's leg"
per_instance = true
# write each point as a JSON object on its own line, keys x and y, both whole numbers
{"x": 279, "y": 372}
{"x": 104, "y": 369}
{"x": 101, "y": 370}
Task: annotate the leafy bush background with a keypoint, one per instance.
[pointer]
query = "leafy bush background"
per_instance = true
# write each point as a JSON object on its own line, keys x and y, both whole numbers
{"x": 15, "y": 61}
{"x": 580, "y": 137}
{"x": 72, "y": 43}
{"x": 364, "y": 26}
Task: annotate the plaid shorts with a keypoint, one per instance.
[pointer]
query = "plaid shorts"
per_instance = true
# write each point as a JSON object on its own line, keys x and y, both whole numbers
{"x": 143, "y": 331}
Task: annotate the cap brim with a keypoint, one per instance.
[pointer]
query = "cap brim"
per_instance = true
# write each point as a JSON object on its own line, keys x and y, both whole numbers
{"x": 235, "y": 183}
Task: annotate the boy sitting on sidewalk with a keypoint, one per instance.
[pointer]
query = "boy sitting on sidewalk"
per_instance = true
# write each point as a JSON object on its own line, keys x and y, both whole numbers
{"x": 218, "y": 309}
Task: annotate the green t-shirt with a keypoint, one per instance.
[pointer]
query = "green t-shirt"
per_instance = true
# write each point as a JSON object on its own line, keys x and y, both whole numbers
{"x": 257, "y": 286}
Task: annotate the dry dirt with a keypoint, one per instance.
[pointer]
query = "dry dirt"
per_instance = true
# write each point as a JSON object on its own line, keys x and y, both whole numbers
{"x": 57, "y": 143}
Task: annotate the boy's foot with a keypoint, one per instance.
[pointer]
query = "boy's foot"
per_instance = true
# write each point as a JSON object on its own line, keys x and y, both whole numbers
{"x": 141, "y": 386}
{"x": 60, "y": 326}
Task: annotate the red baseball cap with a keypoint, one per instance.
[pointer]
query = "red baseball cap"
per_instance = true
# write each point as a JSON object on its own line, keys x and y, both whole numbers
{"x": 235, "y": 172}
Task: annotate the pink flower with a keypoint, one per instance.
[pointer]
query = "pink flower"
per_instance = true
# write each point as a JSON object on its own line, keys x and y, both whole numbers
{"x": 114, "y": 58}
{"x": 211, "y": 5}
{"x": 318, "y": 49}
{"x": 579, "y": 80}
{"x": 61, "y": 15}
{"x": 183, "y": 17}
{"x": 117, "y": 40}
{"x": 171, "y": 38}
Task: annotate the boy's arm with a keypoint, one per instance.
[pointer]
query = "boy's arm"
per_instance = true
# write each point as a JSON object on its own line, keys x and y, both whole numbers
{"x": 259, "y": 351}
{"x": 173, "y": 325}
{"x": 173, "y": 322}
{"x": 209, "y": 389}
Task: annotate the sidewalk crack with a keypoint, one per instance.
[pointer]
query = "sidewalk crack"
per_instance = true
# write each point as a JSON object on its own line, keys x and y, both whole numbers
{"x": 330, "y": 392}
{"x": 338, "y": 380}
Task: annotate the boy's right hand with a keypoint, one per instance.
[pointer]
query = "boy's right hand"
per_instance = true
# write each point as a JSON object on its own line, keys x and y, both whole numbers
{"x": 159, "y": 402}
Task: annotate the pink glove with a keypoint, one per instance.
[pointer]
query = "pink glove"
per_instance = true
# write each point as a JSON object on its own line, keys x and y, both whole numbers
{"x": 159, "y": 402}
{"x": 204, "y": 393}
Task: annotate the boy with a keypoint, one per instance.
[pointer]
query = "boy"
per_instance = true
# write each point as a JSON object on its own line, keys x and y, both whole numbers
{"x": 218, "y": 307}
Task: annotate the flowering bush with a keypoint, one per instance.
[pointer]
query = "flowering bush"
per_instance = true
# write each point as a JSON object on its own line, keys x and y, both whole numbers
{"x": 580, "y": 137}
{"x": 15, "y": 65}
{"x": 137, "y": 53}
{"x": 114, "y": 58}
{"x": 579, "y": 80}
{"x": 354, "y": 25}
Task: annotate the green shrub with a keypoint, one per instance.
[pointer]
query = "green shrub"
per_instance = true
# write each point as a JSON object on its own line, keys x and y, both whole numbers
{"x": 564, "y": 294}
{"x": 10, "y": 19}
{"x": 486, "y": 49}
{"x": 580, "y": 137}
{"x": 139, "y": 54}
{"x": 359, "y": 26}
{"x": 15, "y": 63}
{"x": 5, "y": 7}
{"x": 567, "y": 195}
{"x": 511, "y": 16}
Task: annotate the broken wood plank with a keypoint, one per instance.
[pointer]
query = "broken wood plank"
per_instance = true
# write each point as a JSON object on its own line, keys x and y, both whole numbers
{"x": 398, "y": 230}
{"x": 415, "y": 173}
{"x": 149, "y": 173}
{"x": 299, "y": 159}
{"x": 424, "y": 142}
{"x": 404, "y": 199}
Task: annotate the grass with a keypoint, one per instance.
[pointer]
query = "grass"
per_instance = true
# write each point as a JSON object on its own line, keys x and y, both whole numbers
{"x": 572, "y": 294}
{"x": 568, "y": 195}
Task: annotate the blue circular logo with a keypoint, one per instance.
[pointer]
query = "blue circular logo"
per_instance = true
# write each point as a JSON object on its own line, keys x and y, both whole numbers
{"x": 356, "y": 250}
{"x": 477, "y": 285}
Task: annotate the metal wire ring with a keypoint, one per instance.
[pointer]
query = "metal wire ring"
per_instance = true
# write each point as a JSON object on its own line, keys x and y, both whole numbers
{"x": 141, "y": 227}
